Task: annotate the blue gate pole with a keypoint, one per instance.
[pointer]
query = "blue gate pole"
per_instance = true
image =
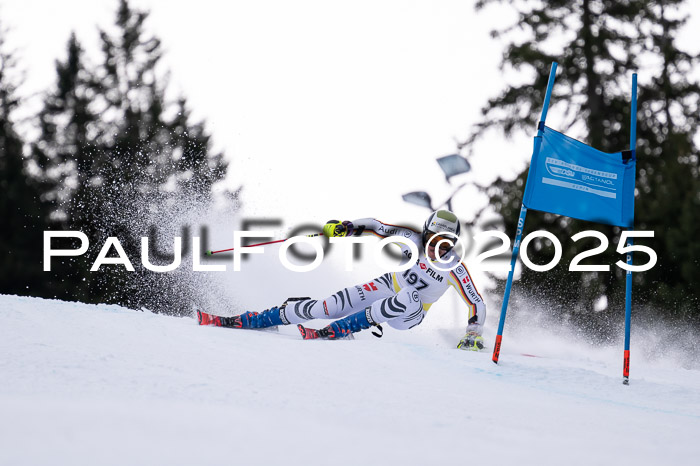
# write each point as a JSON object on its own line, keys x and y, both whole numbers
{"x": 521, "y": 219}
{"x": 628, "y": 275}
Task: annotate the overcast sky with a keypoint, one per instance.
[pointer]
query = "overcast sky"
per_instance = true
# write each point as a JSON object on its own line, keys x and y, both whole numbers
{"x": 324, "y": 108}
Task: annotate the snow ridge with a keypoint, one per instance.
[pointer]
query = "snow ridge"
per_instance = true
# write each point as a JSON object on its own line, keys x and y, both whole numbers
{"x": 87, "y": 384}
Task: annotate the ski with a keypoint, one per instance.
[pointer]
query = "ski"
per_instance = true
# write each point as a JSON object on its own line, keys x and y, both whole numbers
{"x": 308, "y": 333}
{"x": 209, "y": 319}
{"x": 324, "y": 333}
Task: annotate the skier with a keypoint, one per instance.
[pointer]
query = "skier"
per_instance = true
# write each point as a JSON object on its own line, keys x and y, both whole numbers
{"x": 401, "y": 299}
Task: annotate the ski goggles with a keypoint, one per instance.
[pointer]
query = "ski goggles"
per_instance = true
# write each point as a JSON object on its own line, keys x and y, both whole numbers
{"x": 444, "y": 244}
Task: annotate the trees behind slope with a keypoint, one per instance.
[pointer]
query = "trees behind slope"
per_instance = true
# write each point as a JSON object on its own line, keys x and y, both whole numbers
{"x": 598, "y": 45}
{"x": 111, "y": 147}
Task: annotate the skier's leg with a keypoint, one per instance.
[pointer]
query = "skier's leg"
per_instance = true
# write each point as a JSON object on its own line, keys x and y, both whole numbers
{"x": 343, "y": 303}
{"x": 297, "y": 310}
{"x": 268, "y": 318}
{"x": 406, "y": 307}
{"x": 407, "y": 320}
{"x": 402, "y": 311}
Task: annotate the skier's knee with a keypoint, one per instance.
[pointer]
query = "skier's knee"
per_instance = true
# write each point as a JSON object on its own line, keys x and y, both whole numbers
{"x": 413, "y": 313}
{"x": 405, "y": 301}
{"x": 410, "y": 298}
{"x": 408, "y": 321}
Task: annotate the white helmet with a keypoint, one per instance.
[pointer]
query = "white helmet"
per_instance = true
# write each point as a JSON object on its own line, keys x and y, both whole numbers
{"x": 439, "y": 222}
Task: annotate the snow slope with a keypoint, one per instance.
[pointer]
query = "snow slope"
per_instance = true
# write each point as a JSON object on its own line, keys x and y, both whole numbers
{"x": 103, "y": 385}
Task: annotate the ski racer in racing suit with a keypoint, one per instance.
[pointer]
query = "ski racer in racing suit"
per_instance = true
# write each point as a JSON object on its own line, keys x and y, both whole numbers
{"x": 400, "y": 299}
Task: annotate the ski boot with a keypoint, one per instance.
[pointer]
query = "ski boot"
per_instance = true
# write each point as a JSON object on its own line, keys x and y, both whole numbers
{"x": 208, "y": 319}
{"x": 342, "y": 328}
{"x": 256, "y": 320}
{"x": 269, "y": 318}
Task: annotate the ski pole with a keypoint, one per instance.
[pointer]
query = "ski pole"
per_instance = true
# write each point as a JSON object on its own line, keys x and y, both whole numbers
{"x": 209, "y": 253}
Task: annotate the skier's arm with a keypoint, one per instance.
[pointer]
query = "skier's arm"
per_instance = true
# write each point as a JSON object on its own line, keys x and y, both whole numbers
{"x": 366, "y": 227}
{"x": 460, "y": 279}
{"x": 372, "y": 226}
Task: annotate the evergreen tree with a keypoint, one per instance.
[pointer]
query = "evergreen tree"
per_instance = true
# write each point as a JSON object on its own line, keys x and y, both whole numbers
{"x": 598, "y": 45}
{"x": 118, "y": 148}
{"x": 22, "y": 211}
{"x": 149, "y": 142}
{"x": 66, "y": 150}
{"x": 668, "y": 177}
{"x": 150, "y": 150}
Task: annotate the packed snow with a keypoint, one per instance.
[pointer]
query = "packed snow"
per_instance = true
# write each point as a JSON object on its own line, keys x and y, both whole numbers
{"x": 100, "y": 384}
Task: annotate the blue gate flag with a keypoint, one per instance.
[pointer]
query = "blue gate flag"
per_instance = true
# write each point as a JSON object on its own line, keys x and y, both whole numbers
{"x": 568, "y": 177}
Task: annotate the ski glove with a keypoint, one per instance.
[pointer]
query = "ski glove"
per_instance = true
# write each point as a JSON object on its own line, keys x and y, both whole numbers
{"x": 336, "y": 228}
{"x": 472, "y": 341}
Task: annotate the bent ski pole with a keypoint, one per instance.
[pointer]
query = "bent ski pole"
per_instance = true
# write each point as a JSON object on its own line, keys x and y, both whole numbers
{"x": 209, "y": 253}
